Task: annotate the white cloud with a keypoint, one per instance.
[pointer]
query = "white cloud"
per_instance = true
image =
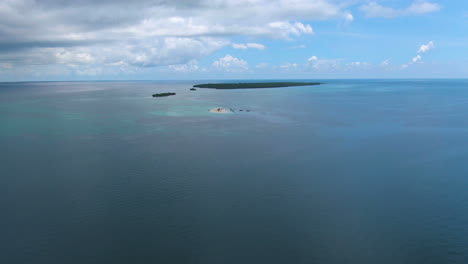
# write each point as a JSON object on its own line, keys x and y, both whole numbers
{"x": 357, "y": 65}
{"x": 348, "y": 17}
{"x": 90, "y": 71}
{"x": 427, "y": 47}
{"x": 117, "y": 63}
{"x": 285, "y": 29}
{"x": 145, "y": 53}
{"x": 261, "y": 65}
{"x": 191, "y": 66}
{"x": 416, "y": 59}
{"x": 420, "y": 7}
{"x": 200, "y": 26}
{"x": 77, "y": 57}
{"x": 239, "y": 46}
{"x": 385, "y": 63}
{"x": 321, "y": 64}
{"x": 147, "y": 33}
{"x": 229, "y": 63}
{"x": 289, "y": 66}
{"x": 170, "y": 51}
{"x": 248, "y": 46}
{"x": 256, "y": 46}
{"x": 375, "y": 10}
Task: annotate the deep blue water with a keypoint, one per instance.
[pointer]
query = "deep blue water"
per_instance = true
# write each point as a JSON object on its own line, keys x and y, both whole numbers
{"x": 353, "y": 171}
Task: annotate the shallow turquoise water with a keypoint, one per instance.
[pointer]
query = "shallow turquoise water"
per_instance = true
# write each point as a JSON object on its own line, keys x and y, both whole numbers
{"x": 353, "y": 171}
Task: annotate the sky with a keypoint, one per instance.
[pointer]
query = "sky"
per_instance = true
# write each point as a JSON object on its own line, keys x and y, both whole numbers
{"x": 232, "y": 39}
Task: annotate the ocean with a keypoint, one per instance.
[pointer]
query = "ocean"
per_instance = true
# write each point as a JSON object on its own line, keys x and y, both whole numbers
{"x": 351, "y": 171}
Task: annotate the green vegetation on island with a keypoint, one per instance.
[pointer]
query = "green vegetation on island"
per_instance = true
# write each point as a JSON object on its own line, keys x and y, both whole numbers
{"x": 163, "y": 94}
{"x": 253, "y": 85}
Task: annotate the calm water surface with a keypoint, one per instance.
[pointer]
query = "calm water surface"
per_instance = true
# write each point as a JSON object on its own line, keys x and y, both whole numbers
{"x": 354, "y": 171}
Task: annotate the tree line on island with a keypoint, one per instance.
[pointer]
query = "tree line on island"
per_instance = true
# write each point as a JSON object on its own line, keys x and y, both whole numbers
{"x": 243, "y": 86}
{"x": 163, "y": 94}
{"x": 254, "y": 85}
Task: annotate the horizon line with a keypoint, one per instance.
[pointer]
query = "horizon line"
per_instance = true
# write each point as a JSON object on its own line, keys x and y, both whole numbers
{"x": 262, "y": 79}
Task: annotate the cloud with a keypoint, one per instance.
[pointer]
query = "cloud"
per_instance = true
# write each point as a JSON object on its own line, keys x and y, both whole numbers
{"x": 286, "y": 29}
{"x": 325, "y": 66}
{"x": 385, "y": 63}
{"x": 191, "y": 66}
{"x": 68, "y": 57}
{"x": 90, "y": 71}
{"x": 261, "y": 65}
{"x": 416, "y": 59}
{"x": 356, "y": 64}
{"x": 289, "y": 66}
{"x": 147, "y": 33}
{"x": 420, "y": 7}
{"x": 150, "y": 52}
{"x": 167, "y": 51}
{"x": 427, "y": 47}
{"x": 248, "y": 46}
{"x": 348, "y": 17}
{"x": 315, "y": 63}
{"x": 197, "y": 26}
{"x": 229, "y": 63}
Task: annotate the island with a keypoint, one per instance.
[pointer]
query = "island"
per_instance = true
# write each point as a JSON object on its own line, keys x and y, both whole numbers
{"x": 223, "y": 110}
{"x": 163, "y": 94}
{"x": 254, "y": 85}
{"x": 220, "y": 110}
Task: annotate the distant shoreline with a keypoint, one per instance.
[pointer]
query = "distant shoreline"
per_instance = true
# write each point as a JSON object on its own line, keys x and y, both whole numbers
{"x": 253, "y": 85}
